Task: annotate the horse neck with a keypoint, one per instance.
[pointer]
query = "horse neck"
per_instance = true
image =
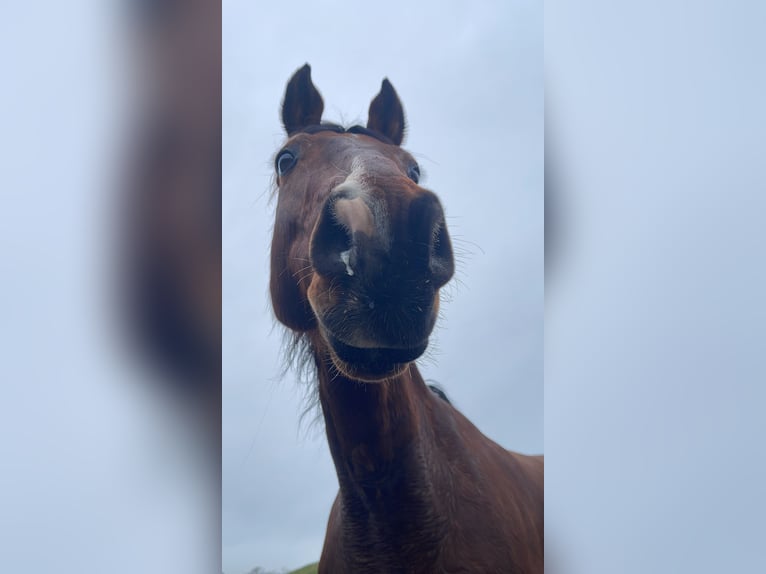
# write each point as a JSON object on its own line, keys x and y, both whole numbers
{"x": 382, "y": 442}
{"x": 374, "y": 428}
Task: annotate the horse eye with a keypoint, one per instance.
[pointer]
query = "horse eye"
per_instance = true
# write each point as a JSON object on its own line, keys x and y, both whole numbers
{"x": 414, "y": 173}
{"x": 285, "y": 161}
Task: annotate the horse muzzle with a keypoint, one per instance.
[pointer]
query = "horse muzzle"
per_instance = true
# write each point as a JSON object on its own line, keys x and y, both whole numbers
{"x": 379, "y": 261}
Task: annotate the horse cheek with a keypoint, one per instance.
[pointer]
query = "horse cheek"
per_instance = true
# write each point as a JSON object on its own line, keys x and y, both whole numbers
{"x": 290, "y": 305}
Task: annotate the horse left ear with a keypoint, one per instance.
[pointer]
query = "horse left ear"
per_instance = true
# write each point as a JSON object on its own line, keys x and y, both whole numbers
{"x": 303, "y": 105}
{"x": 386, "y": 114}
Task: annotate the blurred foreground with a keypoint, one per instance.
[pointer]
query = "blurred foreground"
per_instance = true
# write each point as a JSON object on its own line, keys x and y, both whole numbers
{"x": 111, "y": 325}
{"x": 655, "y": 320}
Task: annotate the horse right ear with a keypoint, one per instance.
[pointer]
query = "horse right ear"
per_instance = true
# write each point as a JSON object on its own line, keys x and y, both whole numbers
{"x": 302, "y": 105}
{"x": 386, "y": 114}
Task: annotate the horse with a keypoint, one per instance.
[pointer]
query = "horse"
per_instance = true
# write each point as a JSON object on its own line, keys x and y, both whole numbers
{"x": 359, "y": 254}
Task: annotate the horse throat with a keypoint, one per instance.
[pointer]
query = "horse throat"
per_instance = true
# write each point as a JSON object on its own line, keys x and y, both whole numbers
{"x": 386, "y": 458}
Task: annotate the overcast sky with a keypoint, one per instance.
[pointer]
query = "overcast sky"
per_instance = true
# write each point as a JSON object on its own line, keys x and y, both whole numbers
{"x": 655, "y": 394}
{"x": 471, "y": 81}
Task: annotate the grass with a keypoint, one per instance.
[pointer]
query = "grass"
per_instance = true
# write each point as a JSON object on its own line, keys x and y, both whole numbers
{"x": 308, "y": 569}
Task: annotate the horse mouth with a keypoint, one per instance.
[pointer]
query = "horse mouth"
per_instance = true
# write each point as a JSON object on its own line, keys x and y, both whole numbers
{"x": 371, "y": 364}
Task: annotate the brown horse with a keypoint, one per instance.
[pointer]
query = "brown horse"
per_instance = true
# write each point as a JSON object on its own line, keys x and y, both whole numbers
{"x": 359, "y": 254}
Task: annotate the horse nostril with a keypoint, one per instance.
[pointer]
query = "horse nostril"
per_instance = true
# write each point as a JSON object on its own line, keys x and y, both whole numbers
{"x": 441, "y": 262}
{"x": 432, "y": 247}
{"x": 346, "y": 221}
{"x": 331, "y": 244}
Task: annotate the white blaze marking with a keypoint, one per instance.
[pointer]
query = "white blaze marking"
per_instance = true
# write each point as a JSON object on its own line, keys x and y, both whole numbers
{"x": 344, "y": 256}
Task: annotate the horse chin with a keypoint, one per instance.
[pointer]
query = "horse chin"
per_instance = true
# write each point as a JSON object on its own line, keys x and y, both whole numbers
{"x": 371, "y": 365}
{"x": 366, "y": 373}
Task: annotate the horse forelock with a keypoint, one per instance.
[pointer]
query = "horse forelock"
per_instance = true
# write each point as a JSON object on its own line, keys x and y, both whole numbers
{"x": 337, "y": 128}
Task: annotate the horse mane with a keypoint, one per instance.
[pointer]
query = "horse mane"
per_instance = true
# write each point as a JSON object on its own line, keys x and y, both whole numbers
{"x": 439, "y": 392}
{"x": 339, "y": 129}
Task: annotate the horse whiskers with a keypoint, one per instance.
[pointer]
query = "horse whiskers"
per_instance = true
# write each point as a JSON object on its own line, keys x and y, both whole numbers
{"x": 304, "y": 273}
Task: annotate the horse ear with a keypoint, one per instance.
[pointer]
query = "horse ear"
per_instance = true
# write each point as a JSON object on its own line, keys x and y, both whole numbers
{"x": 386, "y": 114}
{"x": 302, "y": 105}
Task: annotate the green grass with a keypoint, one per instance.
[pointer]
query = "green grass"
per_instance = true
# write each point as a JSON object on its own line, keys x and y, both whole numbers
{"x": 309, "y": 569}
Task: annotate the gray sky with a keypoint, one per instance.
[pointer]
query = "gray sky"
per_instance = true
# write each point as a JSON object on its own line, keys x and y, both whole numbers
{"x": 471, "y": 81}
{"x": 654, "y": 428}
